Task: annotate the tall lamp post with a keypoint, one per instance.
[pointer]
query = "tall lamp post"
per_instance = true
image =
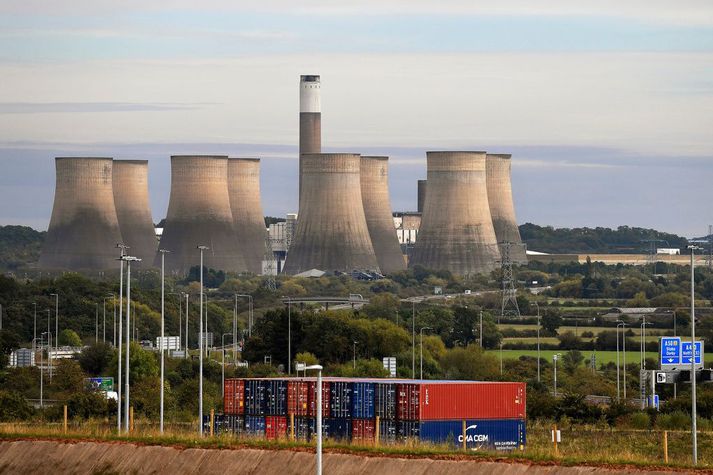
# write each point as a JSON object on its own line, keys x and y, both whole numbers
{"x": 643, "y": 342}
{"x": 129, "y": 260}
{"x": 318, "y": 368}
{"x": 185, "y": 354}
{"x": 618, "y": 388}
{"x": 413, "y": 338}
{"x": 250, "y": 317}
{"x": 49, "y": 346}
{"x": 56, "y": 318}
{"x": 163, "y": 325}
{"x": 200, "y": 347}
{"x": 480, "y": 330}
{"x": 222, "y": 377}
{"x": 694, "y": 428}
{"x": 538, "y": 341}
{"x": 354, "y": 354}
{"x": 34, "y": 333}
{"x": 421, "y": 344}
{"x": 555, "y": 357}
{"x": 289, "y": 334}
{"x": 122, "y": 251}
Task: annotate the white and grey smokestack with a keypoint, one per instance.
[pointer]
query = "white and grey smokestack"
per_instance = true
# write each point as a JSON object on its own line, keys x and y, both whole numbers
{"x": 310, "y": 118}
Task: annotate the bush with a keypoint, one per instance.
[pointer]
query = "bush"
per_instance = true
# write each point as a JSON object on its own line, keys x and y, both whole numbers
{"x": 641, "y": 420}
{"x": 677, "y": 420}
{"x": 13, "y": 406}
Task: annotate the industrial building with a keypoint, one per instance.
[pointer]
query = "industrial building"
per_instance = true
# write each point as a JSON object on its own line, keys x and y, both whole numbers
{"x": 199, "y": 214}
{"x": 456, "y": 232}
{"x": 331, "y": 233}
{"x": 374, "y": 179}
{"x": 131, "y": 198}
{"x": 245, "y": 204}
{"x": 84, "y": 229}
{"x": 310, "y": 119}
{"x": 502, "y": 209}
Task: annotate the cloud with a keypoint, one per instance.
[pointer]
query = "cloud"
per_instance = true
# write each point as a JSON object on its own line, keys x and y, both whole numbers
{"x": 71, "y": 107}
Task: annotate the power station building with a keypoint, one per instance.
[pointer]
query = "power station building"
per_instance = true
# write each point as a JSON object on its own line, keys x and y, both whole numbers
{"x": 245, "y": 204}
{"x": 84, "y": 229}
{"x": 456, "y": 232}
{"x": 131, "y": 198}
{"x": 502, "y": 209}
{"x": 331, "y": 234}
{"x": 199, "y": 214}
{"x": 310, "y": 119}
{"x": 374, "y": 179}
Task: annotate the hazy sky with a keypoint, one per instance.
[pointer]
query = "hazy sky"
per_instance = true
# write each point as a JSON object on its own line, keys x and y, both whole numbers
{"x": 606, "y": 105}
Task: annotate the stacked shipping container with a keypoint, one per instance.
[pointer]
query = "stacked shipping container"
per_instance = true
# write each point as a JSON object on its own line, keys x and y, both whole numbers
{"x": 483, "y": 414}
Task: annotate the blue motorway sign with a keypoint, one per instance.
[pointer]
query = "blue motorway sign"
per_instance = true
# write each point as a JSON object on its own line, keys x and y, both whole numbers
{"x": 670, "y": 351}
{"x": 686, "y": 353}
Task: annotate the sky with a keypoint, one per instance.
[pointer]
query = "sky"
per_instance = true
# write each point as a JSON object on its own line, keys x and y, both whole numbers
{"x": 606, "y": 106}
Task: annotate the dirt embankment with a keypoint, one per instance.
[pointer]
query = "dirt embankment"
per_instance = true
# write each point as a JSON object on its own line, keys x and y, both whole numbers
{"x": 59, "y": 457}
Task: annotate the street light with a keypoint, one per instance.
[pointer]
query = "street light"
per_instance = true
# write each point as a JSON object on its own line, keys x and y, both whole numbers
{"x": 618, "y": 389}
{"x": 694, "y": 435}
{"x": 163, "y": 325}
{"x": 250, "y": 317}
{"x": 480, "y": 331}
{"x": 34, "y": 333}
{"x": 122, "y": 252}
{"x": 49, "y": 347}
{"x": 421, "y": 342}
{"x": 222, "y": 378}
{"x": 56, "y": 317}
{"x": 289, "y": 334}
{"x": 642, "y": 335}
{"x": 34, "y": 351}
{"x": 318, "y": 368}
{"x": 129, "y": 260}
{"x": 538, "y": 341}
{"x": 555, "y": 357}
{"x": 180, "y": 316}
{"x": 96, "y": 323}
{"x": 413, "y": 338}
{"x": 355, "y": 342}
{"x": 200, "y": 348}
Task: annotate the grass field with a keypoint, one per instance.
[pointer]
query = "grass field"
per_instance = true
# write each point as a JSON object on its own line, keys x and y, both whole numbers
{"x": 595, "y": 330}
{"x": 603, "y": 357}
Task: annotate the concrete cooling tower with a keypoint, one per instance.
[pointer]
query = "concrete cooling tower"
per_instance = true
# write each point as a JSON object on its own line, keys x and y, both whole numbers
{"x": 244, "y": 191}
{"x": 131, "y": 197}
{"x": 502, "y": 209}
{"x": 377, "y": 209}
{"x": 199, "y": 214}
{"x": 421, "y": 195}
{"x": 331, "y": 234}
{"x": 456, "y": 231}
{"x": 310, "y": 119}
{"x": 84, "y": 230}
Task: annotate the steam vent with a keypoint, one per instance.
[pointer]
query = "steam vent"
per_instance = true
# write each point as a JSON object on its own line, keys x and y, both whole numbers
{"x": 456, "y": 231}
{"x": 310, "y": 119}
{"x": 131, "y": 197}
{"x": 377, "y": 209}
{"x": 199, "y": 214}
{"x": 332, "y": 234}
{"x": 244, "y": 191}
{"x": 502, "y": 209}
{"x": 84, "y": 230}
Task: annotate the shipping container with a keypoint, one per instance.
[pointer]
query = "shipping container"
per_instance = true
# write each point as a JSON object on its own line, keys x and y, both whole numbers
{"x": 255, "y": 397}
{"x": 304, "y": 428}
{"x": 340, "y": 399}
{"x": 337, "y": 428}
{"x": 387, "y": 431}
{"x": 363, "y": 431}
{"x": 236, "y": 424}
{"x": 460, "y": 400}
{"x": 385, "y": 400}
{"x": 362, "y": 400}
{"x": 234, "y": 396}
{"x": 298, "y": 397}
{"x": 406, "y": 430}
{"x": 498, "y": 434}
{"x": 326, "y": 397}
{"x": 255, "y": 425}
{"x": 275, "y": 427}
{"x": 275, "y": 397}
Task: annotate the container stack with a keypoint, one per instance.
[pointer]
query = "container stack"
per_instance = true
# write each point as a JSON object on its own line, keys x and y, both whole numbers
{"x": 466, "y": 414}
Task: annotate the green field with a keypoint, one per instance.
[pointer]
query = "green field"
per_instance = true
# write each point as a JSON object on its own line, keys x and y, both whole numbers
{"x": 581, "y": 329}
{"x": 603, "y": 357}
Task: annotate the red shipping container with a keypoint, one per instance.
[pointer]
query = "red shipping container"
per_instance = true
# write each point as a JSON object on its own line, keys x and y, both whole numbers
{"x": 363, "y": 430}
{"x": 234, "y": 397}
{"x": 298, "y": 398}
{"x": 275, "y": 427}
{"x": 312, "y": 412}
{"x": 455, "y": 400}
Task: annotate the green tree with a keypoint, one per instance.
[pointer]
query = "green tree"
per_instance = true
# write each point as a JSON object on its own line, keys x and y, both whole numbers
{"x": 464, "y": 321}
{"x": 307, "y": 358}
{"x": 551, "y": 322}
{"x": 95, "y": 358}
{"x": 13, "y": 407}
{"x": 571, "y": 360}
{"x": 470, "y": 363}
{"x": 87, "y": 404}
{"x": 69, "y": 377}
{"x": 69, "y": 337}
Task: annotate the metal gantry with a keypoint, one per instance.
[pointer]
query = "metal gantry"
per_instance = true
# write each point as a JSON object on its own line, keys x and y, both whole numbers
{"x": 509, "y": 306}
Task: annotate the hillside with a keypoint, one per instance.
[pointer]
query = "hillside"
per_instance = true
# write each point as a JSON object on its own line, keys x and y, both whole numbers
{"x": 19, "y": 246}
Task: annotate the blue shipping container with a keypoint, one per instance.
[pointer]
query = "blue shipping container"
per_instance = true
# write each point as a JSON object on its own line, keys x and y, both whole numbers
{"x": 340, "y": 401}
{"x": 498, "y": 434}
{"x": 407, "y": 429}
{"x": 255, "y": 397}
{"x": 255, "y": 425}
{"x": 385, "y": 400}
{"x": 337, "y": 428}
{"x": 275, "y": 398}
{"x": 362, "y": 400}
{"x": 387, "y": 431}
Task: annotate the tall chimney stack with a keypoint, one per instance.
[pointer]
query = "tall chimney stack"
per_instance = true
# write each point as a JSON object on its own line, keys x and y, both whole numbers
{"x": 310, "y": 118}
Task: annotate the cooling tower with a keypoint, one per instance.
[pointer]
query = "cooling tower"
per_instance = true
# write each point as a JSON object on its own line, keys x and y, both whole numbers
{"x": 421, "y": 195}
{"x": 84, "y": 229}
{"x": 131, "y": 197}
{"x": 199, "y": 214}
{"x": 456, "y": 231}
{"x": 377, "y": 209}
{"x": 310, "y": 119}
{"x": 331, "y": 233}
{"x": 502, "y": 209}
{"x": 244, "y": 191}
